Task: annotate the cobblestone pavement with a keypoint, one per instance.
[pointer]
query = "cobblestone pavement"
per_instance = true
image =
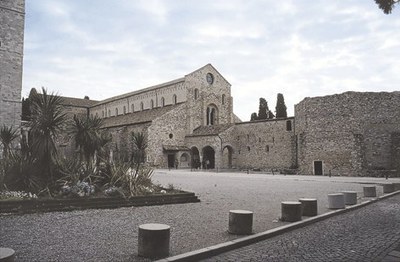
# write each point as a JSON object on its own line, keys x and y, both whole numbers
{"x": 365, "y": 234}
{"x": 111, "y": 235}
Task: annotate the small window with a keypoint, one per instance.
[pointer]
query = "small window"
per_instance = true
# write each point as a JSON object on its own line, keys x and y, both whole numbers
{"x": 162, "y": 102}
{"x": 238, "y": 138}
{"x": 239, "y": 151}
{"x": 141, "y": 106}
{"x": 248, "y": 137}
{"x": 102, "y": 113}
{"x": 267, "y": 148}
{"x": 133, "y": 108}
{"x": 171, "y": 136}
{"x": 174, "y": 100}
{"x": 124, "y": 110}
{"x": 259, "y": 139}
{"x": 116, "y": 111}
{"x": 288, "y": 125}
{"x": 223, "y": 99}
{"x": 151, "y": 104}
{"x": 196, "y": 94}
{"x": 109, "y": 112}
{"x": 248, "y": 148}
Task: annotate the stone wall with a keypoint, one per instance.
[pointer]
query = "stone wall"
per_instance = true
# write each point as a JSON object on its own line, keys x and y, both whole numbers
{"x": 217, "y": 94}
{"x": 12, "y": 16}
{"x": 350, "y": 133}
{"x": 151, "y": 97}
{"x": 263, "y": 144}
{"x": 168, "y": 129}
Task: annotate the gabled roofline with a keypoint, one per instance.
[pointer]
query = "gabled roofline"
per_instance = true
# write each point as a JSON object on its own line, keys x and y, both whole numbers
{"x": 137, "y": 92}
{"x": 209, "y": 64}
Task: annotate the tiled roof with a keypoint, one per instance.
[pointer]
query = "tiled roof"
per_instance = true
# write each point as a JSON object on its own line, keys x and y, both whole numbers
{"x": 210, "y": 130}
{"x": 137, "y": 117}
{"x": 70, "y": 101}
{"x": 175, "y": 148}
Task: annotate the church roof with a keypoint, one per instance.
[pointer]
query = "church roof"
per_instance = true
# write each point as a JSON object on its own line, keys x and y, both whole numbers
{"x": 139, "y": 117}
{"x": 77, "y": 102}
{"x": 210, "y": 130}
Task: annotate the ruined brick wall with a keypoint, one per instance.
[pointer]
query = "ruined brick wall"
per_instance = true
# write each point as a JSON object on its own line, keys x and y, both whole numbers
{"x": 12, "y": 17}
{"x": 264, "y": 144}
{"x": 351, "y": 133}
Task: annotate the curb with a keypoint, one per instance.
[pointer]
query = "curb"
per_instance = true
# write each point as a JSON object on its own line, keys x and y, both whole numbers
{"x": 244, "y": 241}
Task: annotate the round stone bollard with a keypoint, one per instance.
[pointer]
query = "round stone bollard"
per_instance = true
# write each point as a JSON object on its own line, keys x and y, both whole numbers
{"x": 350, "y": 197}
{"x": 369, "y": 191}
{"x": 396, "y": 186}
{"x": 7, "y": 254}
{"x": 240, "y": 222}
{"x": 154, "y": 240}
{"x": 309, "y": 206}
{"x": 388, "y": 188}
{"x": 291, "y": 211}
{"x": 336, "y": 201}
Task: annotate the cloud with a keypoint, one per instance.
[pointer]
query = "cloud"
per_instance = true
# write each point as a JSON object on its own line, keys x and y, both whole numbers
{"x": 298, "y": 48}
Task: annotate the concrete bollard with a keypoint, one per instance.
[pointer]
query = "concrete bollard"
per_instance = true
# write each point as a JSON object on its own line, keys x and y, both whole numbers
{"x": 369, "y": 191}
{"x": 240, "y": 222}
{"x": 388, "y": 188}
{"x": 291, "y": 211}
{"x": 154, "y": 240}
{"x": 350, "y": 197}
{"x": 336, "y": 201}
{"x": 396, "y": 186}
{"x": 309, "y": 206}
{"x": 7, "y": 254}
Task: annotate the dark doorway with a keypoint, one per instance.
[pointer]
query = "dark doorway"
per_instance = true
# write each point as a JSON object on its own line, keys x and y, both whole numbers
{"x": 208, "y": 157}
{"x": 195, "y": 158}
{"x": 318, "y": 171}
{"x": 171, "y": 161}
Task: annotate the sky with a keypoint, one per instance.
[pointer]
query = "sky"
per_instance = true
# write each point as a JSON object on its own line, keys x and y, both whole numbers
{"x": 299, "y": 48}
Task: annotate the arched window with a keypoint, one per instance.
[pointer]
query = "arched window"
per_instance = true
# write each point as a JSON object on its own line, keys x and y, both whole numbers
{"x": 133, "y": 108}
{"x": 223, "y": 99}
{"x": 151, "y": 104}
{"x": 196, "y": 94}
{"x": 116, "y": 111}
{"x": 102, "y": 113}
{"x": 109, "y": 112}
{"x": 162, "y": 102}
{"x": 211, "y": 115}
{"x": 124, "y": 110}
{"x": 174, "y": 99}
{"x": 141, "y": 106}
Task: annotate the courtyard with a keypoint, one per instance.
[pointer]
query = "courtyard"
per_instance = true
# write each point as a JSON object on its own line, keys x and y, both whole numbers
{"x": 111, "y": 235}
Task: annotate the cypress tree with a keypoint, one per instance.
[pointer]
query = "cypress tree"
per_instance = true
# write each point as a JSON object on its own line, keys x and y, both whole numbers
{"x": 280, "y": 107}
{"x": 263, "y": 109}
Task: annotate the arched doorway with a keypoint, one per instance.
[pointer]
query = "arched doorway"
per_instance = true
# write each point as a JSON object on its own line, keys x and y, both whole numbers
{"x": 195, "y": 157}
{"x": 184, "y": 160}
{"x": 227, "y": 157}
{"x": 208, "y": 157}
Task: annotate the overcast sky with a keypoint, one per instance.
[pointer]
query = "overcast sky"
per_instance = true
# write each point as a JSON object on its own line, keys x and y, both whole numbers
{"x": 300, "y": 48}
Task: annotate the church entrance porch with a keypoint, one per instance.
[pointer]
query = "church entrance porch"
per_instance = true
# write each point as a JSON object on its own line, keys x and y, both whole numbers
{"x": 208, "y": 158}
{"x": 171, "y": 160}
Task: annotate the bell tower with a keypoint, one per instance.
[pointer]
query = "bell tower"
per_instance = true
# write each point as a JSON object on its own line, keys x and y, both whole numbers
{"x": 12, "y": 20}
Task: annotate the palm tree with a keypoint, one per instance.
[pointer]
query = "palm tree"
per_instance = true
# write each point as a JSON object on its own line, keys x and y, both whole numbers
{"x": 7, "y": 136}
{"x": 87, "y": 136}
{"x": 47, "y": 120}
{"x": 139, "y": 147}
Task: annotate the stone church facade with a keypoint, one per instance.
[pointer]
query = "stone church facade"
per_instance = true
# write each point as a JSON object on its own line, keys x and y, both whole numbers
{"x": 190, "y": 121}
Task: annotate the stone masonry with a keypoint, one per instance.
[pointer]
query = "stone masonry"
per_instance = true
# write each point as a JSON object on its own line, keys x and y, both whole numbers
{"x": 352, "y": 134}
{"x": 12, "y": 17}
